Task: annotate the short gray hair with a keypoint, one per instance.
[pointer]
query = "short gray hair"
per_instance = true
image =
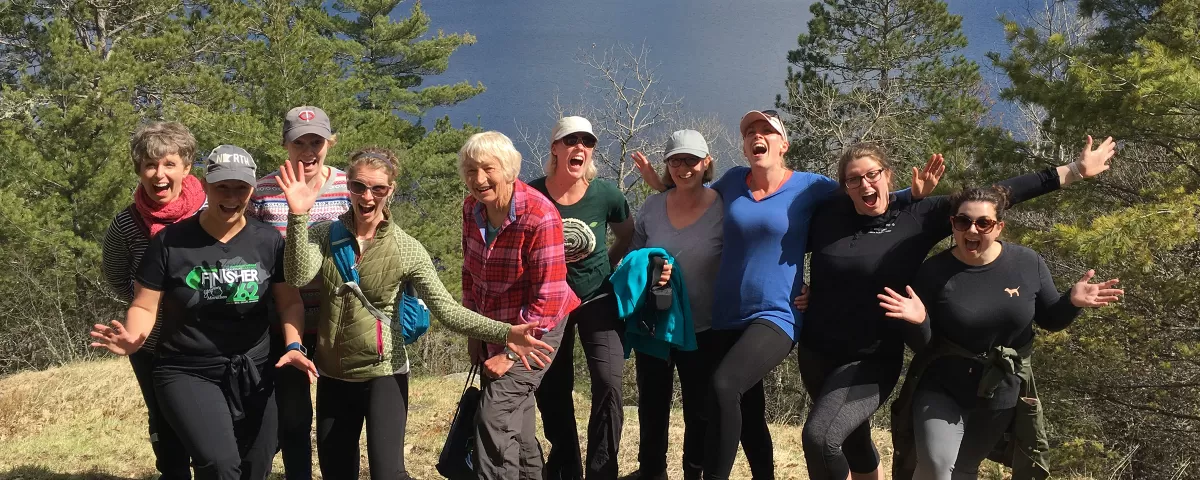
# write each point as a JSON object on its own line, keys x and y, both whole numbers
{"x": 155, "y": 140}
{"x": 491, "y": 144}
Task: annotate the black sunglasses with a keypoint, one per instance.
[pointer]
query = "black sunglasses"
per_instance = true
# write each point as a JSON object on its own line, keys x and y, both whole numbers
{"x": 690, "y": 160}
{"x": 572, "y": 140}
{"x": 359, "y": 188}
{"x": 962, "y": 223}
{"x": 770, "y": 113}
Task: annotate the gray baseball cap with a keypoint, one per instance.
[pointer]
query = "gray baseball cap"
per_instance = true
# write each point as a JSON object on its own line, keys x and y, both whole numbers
{"x": 228, "y": 162}
{"x": 568, "y": 125}
{"x": 304, "y": 120}
{"x": 690, "y": 142}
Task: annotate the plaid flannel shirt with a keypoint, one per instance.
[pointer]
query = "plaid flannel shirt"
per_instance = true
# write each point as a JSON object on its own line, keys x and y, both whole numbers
{"x": 522, "y": 276}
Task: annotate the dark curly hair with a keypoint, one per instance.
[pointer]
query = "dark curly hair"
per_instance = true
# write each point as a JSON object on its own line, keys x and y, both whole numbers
{"x": 993, "y": 194}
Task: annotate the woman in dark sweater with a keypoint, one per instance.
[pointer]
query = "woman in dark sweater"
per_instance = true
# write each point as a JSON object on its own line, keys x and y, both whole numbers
{"x": 166, "y": 193}
{"x": 982, "y": 297}
{"x": 850, "y": 355}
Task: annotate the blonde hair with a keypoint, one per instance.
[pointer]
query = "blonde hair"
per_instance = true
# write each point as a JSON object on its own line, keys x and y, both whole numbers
{"x": 490, "y": 144}
{"x": 588, "y": 175}
{"x": 155, "y": 140}
{"x": 375, "y": 158}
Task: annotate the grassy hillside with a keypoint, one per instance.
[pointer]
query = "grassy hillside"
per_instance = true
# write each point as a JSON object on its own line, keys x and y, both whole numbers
{"x": 86, "y": 421}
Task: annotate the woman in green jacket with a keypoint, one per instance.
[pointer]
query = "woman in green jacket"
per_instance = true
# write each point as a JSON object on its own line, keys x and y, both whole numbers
{"x": 362, "y": 362}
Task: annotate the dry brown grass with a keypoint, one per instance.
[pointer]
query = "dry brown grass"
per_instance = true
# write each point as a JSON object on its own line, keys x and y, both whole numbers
{"x": 87, "y": 421}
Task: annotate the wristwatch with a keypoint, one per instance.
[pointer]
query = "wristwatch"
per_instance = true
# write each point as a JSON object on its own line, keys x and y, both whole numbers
{"x": 296, "y": 346}
{"x": 511, "y": 355}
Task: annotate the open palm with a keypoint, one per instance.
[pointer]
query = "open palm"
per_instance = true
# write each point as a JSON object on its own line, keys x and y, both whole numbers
{"x": 926, "y": 179}
{"x": 300, "y": 197}
{"x": 1093, "y": 162}
{"x": 1085, "y": 294}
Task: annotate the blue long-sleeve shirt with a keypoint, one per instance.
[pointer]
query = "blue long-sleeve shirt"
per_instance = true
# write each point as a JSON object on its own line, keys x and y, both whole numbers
{"x": 763, "y": 256}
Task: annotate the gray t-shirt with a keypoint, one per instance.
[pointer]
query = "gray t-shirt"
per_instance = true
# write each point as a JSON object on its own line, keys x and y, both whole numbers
{"x": 696, "y": 248}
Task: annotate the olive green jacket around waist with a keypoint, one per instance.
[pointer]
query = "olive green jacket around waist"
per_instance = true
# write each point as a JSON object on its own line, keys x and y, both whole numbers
{"x": 1023, "y": 447}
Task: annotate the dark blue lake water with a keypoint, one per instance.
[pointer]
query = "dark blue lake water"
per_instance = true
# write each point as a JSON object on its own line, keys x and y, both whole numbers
{"x": 722, "y": 57}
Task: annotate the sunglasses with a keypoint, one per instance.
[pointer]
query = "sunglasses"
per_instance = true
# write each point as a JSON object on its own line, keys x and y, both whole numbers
{"x": 360, "y": 188}
{"x": 689, "y": 160}
{"x": 572, "y": 140}
{"x": 962, "y": 223}
{"x": 871, "y": 176}
{"x": 770, "y": 113}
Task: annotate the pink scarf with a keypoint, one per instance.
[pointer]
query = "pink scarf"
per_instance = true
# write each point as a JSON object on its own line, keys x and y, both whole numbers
{"x": 154, "y": 216}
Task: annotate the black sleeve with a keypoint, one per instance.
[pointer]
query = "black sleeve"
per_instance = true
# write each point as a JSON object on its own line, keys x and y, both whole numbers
{"x": 277, "y": 268}
{"x": 917, "y": 337}
{"x": 1031, "y": 185}
{"x": 934, "y": 213}
{"x": 152, "y": 273}
{"x": 1054, "y": 311}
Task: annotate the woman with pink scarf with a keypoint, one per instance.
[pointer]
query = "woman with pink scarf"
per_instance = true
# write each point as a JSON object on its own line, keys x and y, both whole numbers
{"x": 162, "y": 154}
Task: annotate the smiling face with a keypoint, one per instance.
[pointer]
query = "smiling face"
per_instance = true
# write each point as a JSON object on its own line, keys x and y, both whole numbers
{"x": 573, "y": 160}
{"x": 687, "y": 177}
{"x": 762, "y": 145}
{"x": 227, "y": 199}
{"x": 162, "y": 178}
{"x": 369, "y": 206}
{"x": 309, "y": 151}
{"x": 486, "y": 180}
{"x": 869, "y": 184}
{"x": 971, "y": 243}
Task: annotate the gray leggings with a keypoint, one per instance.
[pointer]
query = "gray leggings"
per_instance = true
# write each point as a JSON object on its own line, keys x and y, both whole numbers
{"x": 953, "y": 441}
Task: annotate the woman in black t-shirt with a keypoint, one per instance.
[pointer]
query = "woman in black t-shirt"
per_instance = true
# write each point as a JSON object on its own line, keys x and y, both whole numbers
{"x": 213, "y": 275}
{"x": 983, "y": 297}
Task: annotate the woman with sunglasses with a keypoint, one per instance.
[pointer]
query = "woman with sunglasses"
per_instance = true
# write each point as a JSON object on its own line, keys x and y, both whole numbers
{"x": 361, "y": 359}
{"x": 307, "y": 136}
{"x": 976, "y": 304}
{"x": 588, "y": 206}
{"x": 686, "y": 222}
{"x": 850, "y": 354}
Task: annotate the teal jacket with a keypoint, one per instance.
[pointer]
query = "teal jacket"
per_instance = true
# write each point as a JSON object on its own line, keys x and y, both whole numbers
{"x": 673, "y": 327}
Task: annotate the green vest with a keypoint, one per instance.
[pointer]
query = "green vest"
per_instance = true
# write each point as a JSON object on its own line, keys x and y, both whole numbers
{"x": 351, "y": 343}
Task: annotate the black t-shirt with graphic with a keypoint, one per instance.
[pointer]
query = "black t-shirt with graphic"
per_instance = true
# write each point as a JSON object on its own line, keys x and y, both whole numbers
{"x": 215, "y": 294}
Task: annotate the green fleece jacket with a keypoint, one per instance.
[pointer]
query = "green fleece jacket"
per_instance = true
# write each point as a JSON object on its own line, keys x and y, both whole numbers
{"x": 351, "y": 343}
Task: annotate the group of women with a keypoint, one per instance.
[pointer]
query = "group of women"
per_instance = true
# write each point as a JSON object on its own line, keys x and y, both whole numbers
{"x": 224, "y": 311}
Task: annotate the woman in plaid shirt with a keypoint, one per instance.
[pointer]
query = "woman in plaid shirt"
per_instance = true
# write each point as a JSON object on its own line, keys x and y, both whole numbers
{"x": 513, "y": 271}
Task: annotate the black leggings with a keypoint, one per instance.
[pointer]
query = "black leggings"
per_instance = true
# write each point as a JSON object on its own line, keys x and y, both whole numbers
{"x": 170, "y": 456}
{"x": 341, "y": 408}
{"x": 293, "y": 396}
{"x": 193, "y": 400}
{"x": 837, "y": 433}
{"x": 602, "y": 333}
{"x": 656, "y": 389}
{"x": 737, "y": 403}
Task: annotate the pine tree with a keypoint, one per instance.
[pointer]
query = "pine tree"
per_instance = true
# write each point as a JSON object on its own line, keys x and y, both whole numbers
{"x": 886, "y": 71}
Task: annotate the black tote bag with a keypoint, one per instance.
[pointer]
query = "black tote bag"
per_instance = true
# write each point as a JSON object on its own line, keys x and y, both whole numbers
{"x": 456, "y": 459}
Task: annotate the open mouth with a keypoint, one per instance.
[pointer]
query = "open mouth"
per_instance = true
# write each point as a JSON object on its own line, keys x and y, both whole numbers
{"x": 228, "y": 209}
{"x": 576, "y": 161}
{"x": 971, "y": 245}
{"x": 760, "y": 148}
{"x": 161, "y": 188}
{"x": 367, "y": 210}
{"x": 871, "y": 200}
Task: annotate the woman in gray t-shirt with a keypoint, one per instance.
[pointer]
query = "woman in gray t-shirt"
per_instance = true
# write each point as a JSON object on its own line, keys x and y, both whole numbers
{"x": 686, "y": 222}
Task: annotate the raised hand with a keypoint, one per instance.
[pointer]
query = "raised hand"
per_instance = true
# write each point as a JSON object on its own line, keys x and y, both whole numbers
{"x": 298, "y": 360}
{"x": 1085, "y": 294}
{"x": 300, "y": 196}
{"x": 649, "y": 175}
{"x": 115, "y": 339}
{"x": 909, "y": 309}
{"x": 925, "y": 180}
{"x": 801, "y": 302}
{"x": 1093, "y": 162}
{"x": 520, "y": 341}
